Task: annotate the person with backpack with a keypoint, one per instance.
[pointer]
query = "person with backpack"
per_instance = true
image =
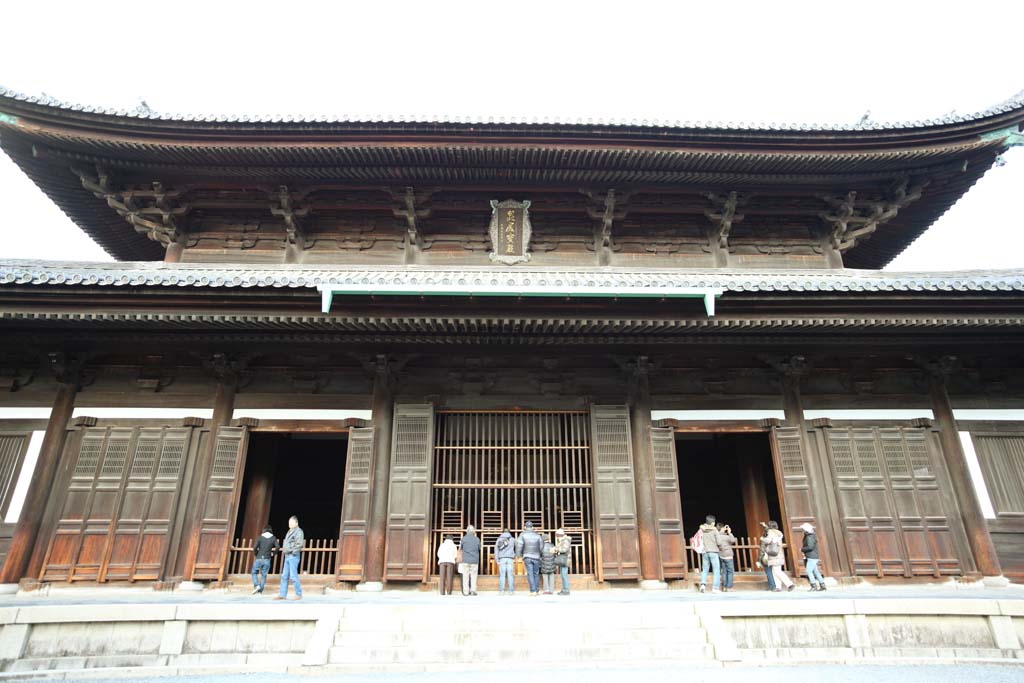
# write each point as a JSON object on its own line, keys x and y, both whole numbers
{"x": 547, "y": 565}
{"x": 505, "y": 554}
{"x": 469, "y": 566}
{"x": 776, "y": 558}
{"x": 762, "y": 558}
{"x": 705, "y": 543}
{"x": 447, "y": 553}
{"x": 563, "y": 554}
{"x": 809, "y": 548}
{"x": 528, "y": 546}
{"x": 265, "y": 547}
{"x": 726, "y": 542}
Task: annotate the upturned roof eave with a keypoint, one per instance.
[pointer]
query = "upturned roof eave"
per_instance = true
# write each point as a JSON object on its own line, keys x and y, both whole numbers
{"x": 26, "y": 112}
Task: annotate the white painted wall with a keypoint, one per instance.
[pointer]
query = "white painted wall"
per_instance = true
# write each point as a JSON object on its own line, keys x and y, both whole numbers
{"x": 716, "y": 414}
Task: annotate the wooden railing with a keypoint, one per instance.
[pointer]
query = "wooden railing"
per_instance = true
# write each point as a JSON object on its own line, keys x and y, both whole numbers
{"x": 317, "y": 559}
{"x": 745, "y": 554}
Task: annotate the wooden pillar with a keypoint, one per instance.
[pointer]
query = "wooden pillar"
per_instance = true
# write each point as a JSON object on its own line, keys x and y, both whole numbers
{"x": 382, "y": 418}
{"x": 262, "y": 466}
{"x": 643, "y": 472}
{"x": 25, "y": 539}
{"x": 755, "y": 495}
{"x": 963, "y": 488}
{"x": 223, "y": 409}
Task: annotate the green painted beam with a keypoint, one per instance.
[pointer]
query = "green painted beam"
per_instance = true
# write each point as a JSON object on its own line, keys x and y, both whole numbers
{"x": 708, "y": 294}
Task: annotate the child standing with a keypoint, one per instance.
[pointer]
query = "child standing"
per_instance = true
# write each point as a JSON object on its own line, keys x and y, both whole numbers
{"x": 547, "y": 565}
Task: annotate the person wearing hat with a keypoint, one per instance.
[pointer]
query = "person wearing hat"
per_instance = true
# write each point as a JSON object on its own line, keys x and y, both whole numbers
{"x": 563, "y": 553}
{"x": 528, "y": 546}
{"x": 810, "y": 552}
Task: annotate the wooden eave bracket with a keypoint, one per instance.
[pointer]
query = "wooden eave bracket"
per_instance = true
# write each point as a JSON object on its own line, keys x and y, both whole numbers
{"x": 605, "y": 208}
{"x": 723, "y": 215}
{"x": 285, "y": 207}
{"x": 154, "y": 213}
{"x": 852, "y": 219}
{"x": 409, "y": 206}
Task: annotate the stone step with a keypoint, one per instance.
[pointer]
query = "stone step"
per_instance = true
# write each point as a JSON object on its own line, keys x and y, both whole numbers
{"x": 515, "y": 618}
{"x": 442, "y": 639}
{"x": 621, "y": 654}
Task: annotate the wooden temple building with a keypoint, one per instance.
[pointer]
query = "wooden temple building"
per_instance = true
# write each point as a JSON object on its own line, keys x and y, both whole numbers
{"x": 395, "y": 328}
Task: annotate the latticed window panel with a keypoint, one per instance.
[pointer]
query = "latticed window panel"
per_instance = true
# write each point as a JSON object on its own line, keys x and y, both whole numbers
{"x": 611, "y": 439}
{"x": 360, "y": 455}
{"x": 492, "y": 519}
{"x": 144, "y": 460}
{"x": 411, "y": 435}
{"x": 572, "y": 519}
{"x": 895, "y": 457}
{"x": 534, "y": 517}
{"x": 115, "y": 457}
{"x": 867, "y": 456}
{"x": 664, "y": 454}
{"x": 451, "y": 520}
{"x": 842, "y": 455}
{"x": 791, "y": 456}
{"x": 225, "y": 459}
{"x": 920, "y": 459}
{"x": 172, "y": 456}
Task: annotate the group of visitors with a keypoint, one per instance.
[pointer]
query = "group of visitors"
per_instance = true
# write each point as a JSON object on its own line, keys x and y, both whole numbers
{"x": 542, "y": 559}
{"x": 265, "y": 547}
{"x": 715, "y": 544}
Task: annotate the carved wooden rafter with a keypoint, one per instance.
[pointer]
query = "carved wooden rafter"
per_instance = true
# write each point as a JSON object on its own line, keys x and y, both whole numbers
{"x": 723, "y": 215}
{"x": 291, "y": 209}
{"x": 851, "y": 219}
{"x": 157, "y": 213}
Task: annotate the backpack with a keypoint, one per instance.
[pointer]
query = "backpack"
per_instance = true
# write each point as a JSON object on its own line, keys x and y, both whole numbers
{"x": 773, "y": 548}
{"x": 697, "y": 542}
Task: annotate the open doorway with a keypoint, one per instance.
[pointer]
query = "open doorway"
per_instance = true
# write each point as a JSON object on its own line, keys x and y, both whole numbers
{"x": 730, "y": 476}
{"x": 293, "y": 474}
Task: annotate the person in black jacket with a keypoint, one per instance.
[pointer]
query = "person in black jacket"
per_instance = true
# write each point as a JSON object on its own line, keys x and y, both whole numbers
{"x": 265, "y": 547}
{"x": 810, "y": 553}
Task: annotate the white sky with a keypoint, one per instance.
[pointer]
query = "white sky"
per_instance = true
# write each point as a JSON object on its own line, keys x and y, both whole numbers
{"x": 759, "y": 61}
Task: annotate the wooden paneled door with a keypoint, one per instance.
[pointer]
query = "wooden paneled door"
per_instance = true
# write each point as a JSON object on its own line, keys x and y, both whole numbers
{"x": 220, "y": 503}
{"x": 668, "y": 504}
{"x": 408, "y": 529}
{"x": 355, "y": 505}
{"x": 143, "y": 526}
{"x": 891, "y": 501}
{"x": 795, "y": 494}
{"x": 618, "y": 544}
{"x": 122, "y": 493}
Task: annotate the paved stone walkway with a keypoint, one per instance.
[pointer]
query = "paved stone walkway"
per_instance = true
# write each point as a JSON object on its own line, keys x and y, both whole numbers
{"x": 779, "y": 674}
{"x": 82, "y": 595}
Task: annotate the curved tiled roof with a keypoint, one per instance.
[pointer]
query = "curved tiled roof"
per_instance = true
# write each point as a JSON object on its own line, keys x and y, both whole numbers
{"x": 157, "y": 274}
{"x": 1010, "y": 104}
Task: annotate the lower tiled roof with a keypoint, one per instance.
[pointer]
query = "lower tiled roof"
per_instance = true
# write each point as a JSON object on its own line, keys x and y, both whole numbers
{"x": 299, "y": 276}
